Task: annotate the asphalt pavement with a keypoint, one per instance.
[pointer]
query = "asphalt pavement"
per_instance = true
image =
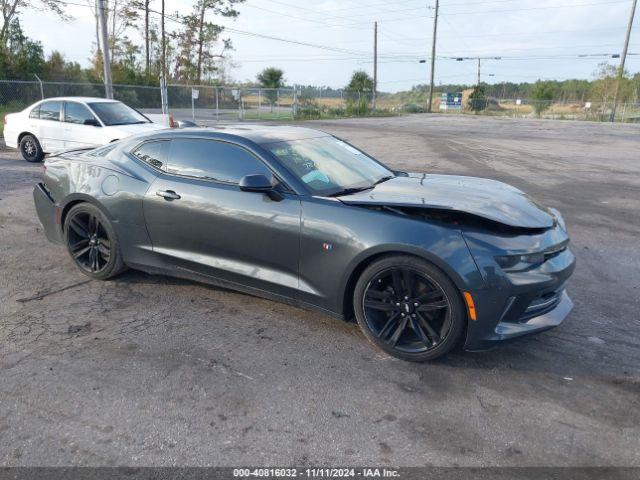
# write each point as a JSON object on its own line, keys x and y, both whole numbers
{"x": 147, "y": 370}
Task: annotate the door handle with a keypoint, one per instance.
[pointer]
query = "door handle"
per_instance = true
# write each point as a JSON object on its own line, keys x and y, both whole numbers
{"x": 168, "y": 194}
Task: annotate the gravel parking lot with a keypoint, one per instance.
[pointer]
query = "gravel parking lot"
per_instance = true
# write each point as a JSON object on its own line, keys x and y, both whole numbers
{"x": 151, "y": 370}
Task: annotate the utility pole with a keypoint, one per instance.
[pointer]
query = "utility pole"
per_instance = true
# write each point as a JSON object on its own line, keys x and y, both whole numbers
{"x": 433, "y": 56}
{"x": 104, "y": 40}
{"x": 622, "y": 61}
{"x": 375, "y": 63}
{"x": 479, "y": 60}
{"x": 163, "y": 60}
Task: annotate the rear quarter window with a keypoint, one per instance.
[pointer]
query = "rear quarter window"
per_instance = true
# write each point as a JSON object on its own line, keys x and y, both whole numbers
{"x": 153, "y": 153}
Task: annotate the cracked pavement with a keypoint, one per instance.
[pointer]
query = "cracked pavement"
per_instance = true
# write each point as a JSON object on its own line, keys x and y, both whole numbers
{"x": 150, "y": 370}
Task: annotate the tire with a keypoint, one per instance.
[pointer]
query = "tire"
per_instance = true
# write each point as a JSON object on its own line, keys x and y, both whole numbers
{"x": 92, "y": 242}
{"x": 31, "y": 149}
{"x": 423, "y": 322}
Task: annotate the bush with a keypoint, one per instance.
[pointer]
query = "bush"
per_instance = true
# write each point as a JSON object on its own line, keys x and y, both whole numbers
{"x": 358, "y": 107}
{"x": 478, "y": 99}
{"x": 413, "y": 108}
{"x": 308, "y": 110}
{"x": 542, "y": 93}
{"x": 336, "y": 112}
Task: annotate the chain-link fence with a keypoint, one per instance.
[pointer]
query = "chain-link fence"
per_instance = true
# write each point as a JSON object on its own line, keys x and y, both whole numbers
{"x": 207, "y": 105}
{"x": 579, "y": 110}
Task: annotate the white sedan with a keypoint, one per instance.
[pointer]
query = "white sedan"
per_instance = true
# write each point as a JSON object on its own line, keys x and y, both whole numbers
{"x": 71, "y": 122}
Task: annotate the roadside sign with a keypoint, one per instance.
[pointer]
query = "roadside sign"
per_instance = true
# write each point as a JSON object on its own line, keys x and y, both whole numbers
{"x": 587, "y": 105}
{"x": 519, "y": 101}
{"x": 451, "y": 101}
{"x": 195, "y": 93}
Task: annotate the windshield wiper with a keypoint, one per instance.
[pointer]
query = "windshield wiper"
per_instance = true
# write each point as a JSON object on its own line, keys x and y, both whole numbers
{"x": 384, "y": 179}
{"x": 349, "y": 191}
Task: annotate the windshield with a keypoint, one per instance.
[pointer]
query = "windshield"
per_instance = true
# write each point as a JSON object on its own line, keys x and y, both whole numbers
{"x": 328, "y": 166}
{"x": 117, "y": 113}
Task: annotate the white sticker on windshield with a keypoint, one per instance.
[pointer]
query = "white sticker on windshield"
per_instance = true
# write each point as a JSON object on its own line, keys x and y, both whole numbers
{"x": 349, "y": 148}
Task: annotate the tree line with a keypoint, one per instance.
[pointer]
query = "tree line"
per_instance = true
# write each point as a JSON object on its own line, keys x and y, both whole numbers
{"x": 197, "y": 52}
{"x": 599, "y": 89}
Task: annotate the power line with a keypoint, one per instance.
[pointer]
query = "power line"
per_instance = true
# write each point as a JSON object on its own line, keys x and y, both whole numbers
{"x": 359, "y": 7}
{"x": 303, "y": 19}
{"x": 363, "y": 55}
{"x": 546, "y": 7}
{"x": 483, "y": 12}
{"x": 505, "y": 34}
{"x": 584, "y": 56}
{"x": 176, "y": 19}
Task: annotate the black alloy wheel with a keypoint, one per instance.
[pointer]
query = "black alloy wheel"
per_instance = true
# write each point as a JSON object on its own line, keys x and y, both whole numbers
{"x": 91, "y": 242}
{"x": 409, "y": 308}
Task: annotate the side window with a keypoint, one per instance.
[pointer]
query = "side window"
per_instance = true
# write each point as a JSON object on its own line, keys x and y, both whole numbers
{"x": 35, "y": 113}
{"x": 50, "y": 111}
{"x": 213, "y": 160}
{"x": 77, "y": 113}
{"x": 154, "y": 153}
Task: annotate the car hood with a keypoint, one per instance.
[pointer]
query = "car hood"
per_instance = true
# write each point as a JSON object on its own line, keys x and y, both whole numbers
{"x": 137, "y": 128}
{"x": 482, "y": 197}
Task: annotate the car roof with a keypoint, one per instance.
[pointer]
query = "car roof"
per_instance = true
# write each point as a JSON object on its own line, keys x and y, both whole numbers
{"x": 260, "y": 134}
{"x": 81, "y": 99}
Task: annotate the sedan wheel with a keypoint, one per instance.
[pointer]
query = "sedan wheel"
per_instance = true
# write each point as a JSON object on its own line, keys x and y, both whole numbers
{"x": 91, "y": 242}
{"x": 409, "y": 308}
{"x": 31, "y": 149}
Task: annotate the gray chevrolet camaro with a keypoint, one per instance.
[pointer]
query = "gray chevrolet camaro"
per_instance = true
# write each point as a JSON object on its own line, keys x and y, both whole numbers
{"x": 423, "y": 262}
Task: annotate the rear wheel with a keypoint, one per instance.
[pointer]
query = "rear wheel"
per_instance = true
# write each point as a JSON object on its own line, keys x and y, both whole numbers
{"x": 409, "y": 308}
{"x": 31, "y": 149}
{"x": 92, "y": 242}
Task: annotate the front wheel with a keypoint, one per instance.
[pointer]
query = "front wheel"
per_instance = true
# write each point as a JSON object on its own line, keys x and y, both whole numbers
{"x": 409, "y": 308}
{"x": 31, "y": 149}
{"x": 92, "y": 243}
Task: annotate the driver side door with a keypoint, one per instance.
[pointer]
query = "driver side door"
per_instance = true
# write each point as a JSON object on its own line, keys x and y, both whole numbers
{"x": 200, "y": 220}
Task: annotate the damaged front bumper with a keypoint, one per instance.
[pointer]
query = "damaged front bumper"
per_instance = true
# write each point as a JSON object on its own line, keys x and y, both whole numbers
{"x": 513, "y": 304}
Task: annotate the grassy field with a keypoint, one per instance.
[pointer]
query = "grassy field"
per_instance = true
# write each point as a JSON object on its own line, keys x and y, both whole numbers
{"x": 267, "y": 115}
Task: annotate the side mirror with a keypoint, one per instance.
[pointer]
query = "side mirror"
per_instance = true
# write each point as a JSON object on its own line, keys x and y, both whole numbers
{"x": 255, "y": 183}
{"x": 92, "y": 121}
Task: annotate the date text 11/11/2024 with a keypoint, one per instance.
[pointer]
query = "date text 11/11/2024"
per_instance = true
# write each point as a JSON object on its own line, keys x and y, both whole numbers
{"x": 316, "y": 472}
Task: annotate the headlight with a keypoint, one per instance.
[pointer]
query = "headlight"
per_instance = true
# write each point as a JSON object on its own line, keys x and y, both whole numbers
{"x": 518, "y": 263}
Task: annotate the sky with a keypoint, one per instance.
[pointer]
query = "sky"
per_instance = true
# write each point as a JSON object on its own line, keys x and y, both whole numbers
{"x": 533, "y": 38}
